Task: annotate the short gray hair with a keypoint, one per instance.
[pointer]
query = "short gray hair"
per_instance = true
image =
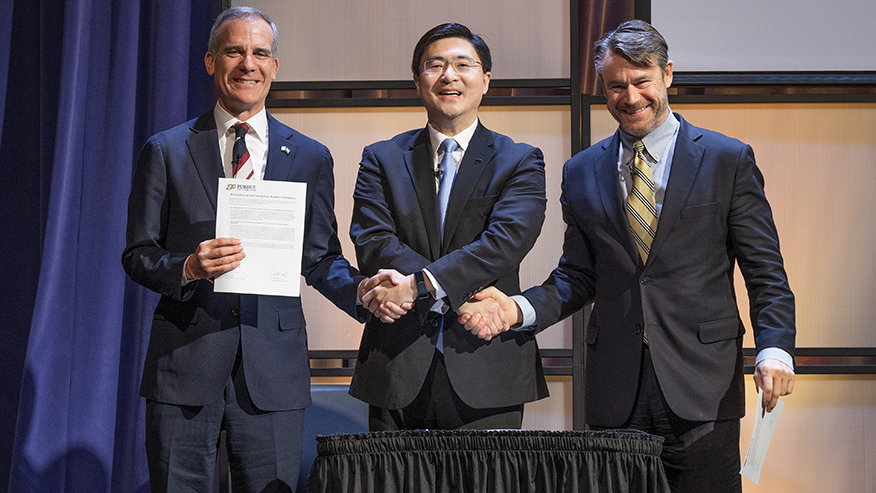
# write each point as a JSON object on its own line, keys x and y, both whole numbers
{"x": 235, "y": 13}
{"x": 637, "y": 41}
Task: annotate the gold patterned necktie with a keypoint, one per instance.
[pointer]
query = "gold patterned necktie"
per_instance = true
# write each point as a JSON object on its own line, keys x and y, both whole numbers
{"x": 641, "y": 209}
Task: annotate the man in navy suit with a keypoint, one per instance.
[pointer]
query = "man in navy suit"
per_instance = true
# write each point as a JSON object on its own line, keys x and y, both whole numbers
{"x": 221, "y": 360}
{"x": 664, "y": 340}
{"x": 455, "y": 217}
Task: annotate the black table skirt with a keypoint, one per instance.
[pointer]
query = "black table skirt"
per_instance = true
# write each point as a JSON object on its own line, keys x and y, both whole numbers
{"x": 506, "y": 461}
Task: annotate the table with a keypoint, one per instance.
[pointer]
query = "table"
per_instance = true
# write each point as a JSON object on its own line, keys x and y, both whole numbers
{"x": 506, "y": 461}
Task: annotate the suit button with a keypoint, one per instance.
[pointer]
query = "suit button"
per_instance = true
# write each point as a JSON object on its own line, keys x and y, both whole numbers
{"x": 235, "y": 311}
{"x": 638, "y": 329}
{"x": 645, "y": 280}
{"x": 434, "y": 322}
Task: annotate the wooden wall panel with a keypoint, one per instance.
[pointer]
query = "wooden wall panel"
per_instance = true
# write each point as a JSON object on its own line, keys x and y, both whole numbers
{"x": 374, "y": 39}
{"x": 347, "y": 131}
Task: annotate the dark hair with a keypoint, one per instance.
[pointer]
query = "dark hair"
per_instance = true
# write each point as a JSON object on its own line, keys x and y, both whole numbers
{"x": 637, "y": 41}
{"x": 240, "y": 13}
{"x": 451, "y": 30}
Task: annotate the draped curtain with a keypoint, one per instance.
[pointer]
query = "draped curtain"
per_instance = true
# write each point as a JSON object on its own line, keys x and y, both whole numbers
{"x": 595, "y": 18}
{"x": 84, "y": 83}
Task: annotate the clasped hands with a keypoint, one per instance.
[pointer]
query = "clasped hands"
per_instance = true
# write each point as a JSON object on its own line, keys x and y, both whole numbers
{"x": 389, "y": 295}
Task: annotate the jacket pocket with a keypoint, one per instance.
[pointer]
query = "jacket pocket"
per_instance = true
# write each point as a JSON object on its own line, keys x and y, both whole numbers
{"x": 481, "y": 202}
{"x": 290, "y": 318}
{"x": 699, "y": 210}
{"x": 720, "y": 330}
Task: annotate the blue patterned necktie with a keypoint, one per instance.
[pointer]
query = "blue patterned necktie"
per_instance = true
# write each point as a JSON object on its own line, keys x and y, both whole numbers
{"x": 447, "y": 172}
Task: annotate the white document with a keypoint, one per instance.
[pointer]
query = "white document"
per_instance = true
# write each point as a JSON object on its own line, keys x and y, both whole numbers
{"x": 268, "y": 218}
{"x": 764, "y": 426}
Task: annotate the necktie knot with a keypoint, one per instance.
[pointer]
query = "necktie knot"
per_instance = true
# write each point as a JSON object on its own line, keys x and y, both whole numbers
{"x": 448, "y": 145}
{"x": 239, "y": 153}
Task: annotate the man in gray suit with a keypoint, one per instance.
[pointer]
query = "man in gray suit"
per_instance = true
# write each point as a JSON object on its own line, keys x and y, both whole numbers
{"x": 657, "y": 215}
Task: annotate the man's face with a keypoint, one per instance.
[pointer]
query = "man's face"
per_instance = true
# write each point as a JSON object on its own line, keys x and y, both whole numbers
{"x": 244, "y": 66}
{"x": 451, "y": 99}
{"x": 636, "y": 95}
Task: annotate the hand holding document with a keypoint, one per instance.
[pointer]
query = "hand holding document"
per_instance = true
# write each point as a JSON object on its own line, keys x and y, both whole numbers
{"x": 268, "y": 218}
{"x": 764, "y": 426}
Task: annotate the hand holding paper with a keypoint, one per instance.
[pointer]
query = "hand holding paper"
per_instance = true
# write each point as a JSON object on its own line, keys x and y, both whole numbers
{"x": 764, "y": 426}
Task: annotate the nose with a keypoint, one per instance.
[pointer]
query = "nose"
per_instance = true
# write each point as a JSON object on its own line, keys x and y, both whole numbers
{"x": 248, "y": 62}
{"x": 449, "y": 72}
{"x": 630, "y": 96}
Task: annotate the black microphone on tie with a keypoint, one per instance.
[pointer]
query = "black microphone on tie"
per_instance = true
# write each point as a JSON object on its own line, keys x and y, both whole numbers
{"x": 437, "y": 173}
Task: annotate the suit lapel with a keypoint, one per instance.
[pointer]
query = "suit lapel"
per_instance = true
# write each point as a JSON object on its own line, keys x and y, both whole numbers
{"x": 686, "y": 160}
{"x": 282, "y": 151}
{"x": 612, "y": 201}
{"x": 419, "y": 162}
{"x": 477, "y": 157}
{"x": 204, "y": 152}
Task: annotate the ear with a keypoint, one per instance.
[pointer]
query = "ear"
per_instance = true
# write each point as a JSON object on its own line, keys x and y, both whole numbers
{"x": 275, "y": 68}
{"x": 417, "y": 82}
{"x": 667, "y": 75}
{"x": 209, "y": 63}
{"x": 487, "y": 76}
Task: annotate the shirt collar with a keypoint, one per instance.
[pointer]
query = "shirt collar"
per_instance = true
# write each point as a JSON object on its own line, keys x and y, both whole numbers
{"x": 462, "y": 138}
{"x": 656, "y": 141}
{"x": 258, "y": 123}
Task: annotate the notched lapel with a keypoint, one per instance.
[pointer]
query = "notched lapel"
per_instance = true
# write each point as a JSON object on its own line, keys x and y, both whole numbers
{"x": 475, "y": 161}
{"x": 612, "y": 201}
{"x": 282, "y": 152}
{"x": 204, "y": 152}
{"x": 420, "y": 165}
{"x": 686, "y": 161}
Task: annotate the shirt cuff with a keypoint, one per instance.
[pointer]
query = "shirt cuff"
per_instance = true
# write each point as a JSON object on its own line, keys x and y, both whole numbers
{"x": 529, "y": 318}
{"x": 440, "y": 306}
{"x": 184, "y": 279}
{"x": 775, "y": 353}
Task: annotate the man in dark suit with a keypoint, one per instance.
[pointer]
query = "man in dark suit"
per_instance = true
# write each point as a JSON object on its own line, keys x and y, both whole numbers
{"x": 221, "y": 360}
{"x": 652, "y": 237}
{"x": 425, "y": 370}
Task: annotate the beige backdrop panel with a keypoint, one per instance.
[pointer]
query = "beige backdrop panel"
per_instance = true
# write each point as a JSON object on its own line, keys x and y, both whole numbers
{"x": 818, "y": 168}
{"x": 347, "y": 131}
{"x": 374, "y": 39}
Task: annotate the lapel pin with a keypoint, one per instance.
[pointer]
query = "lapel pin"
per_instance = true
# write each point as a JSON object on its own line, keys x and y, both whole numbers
{"x": 477, "y": 160}
{"x": 285, "y": 150}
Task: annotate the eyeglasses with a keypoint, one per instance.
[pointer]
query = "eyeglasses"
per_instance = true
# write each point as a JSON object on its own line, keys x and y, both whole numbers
{"x": 462, "y": 66}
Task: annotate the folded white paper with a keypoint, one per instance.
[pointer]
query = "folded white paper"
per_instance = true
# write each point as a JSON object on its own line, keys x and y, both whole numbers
{"x": 764, "y": 426}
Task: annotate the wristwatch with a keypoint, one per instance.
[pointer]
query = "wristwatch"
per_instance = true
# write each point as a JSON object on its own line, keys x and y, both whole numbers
{"x": 422, "y": 292}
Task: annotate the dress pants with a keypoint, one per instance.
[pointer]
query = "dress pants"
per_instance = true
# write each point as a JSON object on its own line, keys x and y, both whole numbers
{"x": 437, "y": 407}
{"x": 264, "y": 448}
{"x": 698, "y": 456}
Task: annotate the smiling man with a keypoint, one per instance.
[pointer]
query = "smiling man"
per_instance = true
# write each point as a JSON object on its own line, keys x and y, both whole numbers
{"x": 456, "y": 207}
{"x": 221, "y": 360}
{"x": 657, "y": 217}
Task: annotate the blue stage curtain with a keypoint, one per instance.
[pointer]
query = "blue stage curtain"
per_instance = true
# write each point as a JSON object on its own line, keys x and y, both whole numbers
{"x": 83, "y": 83}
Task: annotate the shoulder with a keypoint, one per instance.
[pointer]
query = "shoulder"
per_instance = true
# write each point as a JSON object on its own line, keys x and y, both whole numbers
{"x": 595, "y": 153}
{"x": 505, "y": 146}
{"x": 402, "y": 142}
{"x": 709, "y": 139}
{"x": 283, "y": 132}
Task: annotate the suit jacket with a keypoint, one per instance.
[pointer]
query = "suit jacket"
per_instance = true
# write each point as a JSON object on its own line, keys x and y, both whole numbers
{"x": 195, "y": 331}
{"x": 494, "y": 215}
{"x": 714, "y": 213}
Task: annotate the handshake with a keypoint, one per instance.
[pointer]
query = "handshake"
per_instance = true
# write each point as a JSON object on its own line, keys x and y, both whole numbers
{"x": 388, "y": 295}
